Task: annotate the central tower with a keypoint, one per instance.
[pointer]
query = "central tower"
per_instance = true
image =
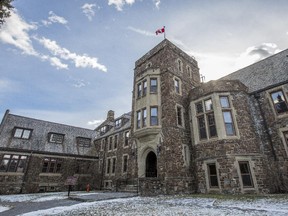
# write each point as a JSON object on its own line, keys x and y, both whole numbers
{"x": 160, "y": 126}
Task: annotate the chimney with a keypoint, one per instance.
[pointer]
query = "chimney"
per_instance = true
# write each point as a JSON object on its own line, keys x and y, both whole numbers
{"x": 110, "y": 115}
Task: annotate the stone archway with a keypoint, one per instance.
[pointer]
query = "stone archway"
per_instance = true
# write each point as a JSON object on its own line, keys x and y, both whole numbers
{"x": 151, "y": 165}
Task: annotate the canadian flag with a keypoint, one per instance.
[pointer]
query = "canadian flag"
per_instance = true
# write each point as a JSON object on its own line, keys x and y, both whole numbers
{"x": 160, "y": 31}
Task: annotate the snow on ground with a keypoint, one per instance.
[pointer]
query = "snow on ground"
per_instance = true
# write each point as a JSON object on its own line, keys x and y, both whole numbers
{"x": 4, "y": 208}
{"x": 39, "y": 197}
{"x": 165, "y": 205}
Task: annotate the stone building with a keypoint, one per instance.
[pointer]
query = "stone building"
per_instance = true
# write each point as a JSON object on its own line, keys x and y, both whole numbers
{"x": 182, "y": 135}
{"x": 37, "y": 156}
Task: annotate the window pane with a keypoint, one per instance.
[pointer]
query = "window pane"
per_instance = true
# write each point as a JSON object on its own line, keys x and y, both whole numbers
{"x": 202, "y": 127}
{"x": 279, "y": 102}
{"x": 154, "y": 116}
{"x": 208, "y": 105}
{"x": 224, "y": 102}
{"x": 179, "y": 116}
{"x": 4, "y": 164}
{"x": 13, "y": 163}
{"x": 125, "y": 163}
{"x": 144, "y": 87}
{"x": 177, "y": 85}
{"x": 144, "y": 116}
{"x": 138, "y": 119}
{"x": 199, "y": 108}
{"x": 139, "y": 90}
{"x": 245, "y": 174}
{"x": 18, "y": 133}
{"x": 227, "y": 117}
{"x": 26, "y": 134}
{"x": 153, "y": 85}
{"x": 212, "y": 125}
{"x": 22, "y": 164}
{"x": 213, "y": 181}
{"x": 213, "y": 175}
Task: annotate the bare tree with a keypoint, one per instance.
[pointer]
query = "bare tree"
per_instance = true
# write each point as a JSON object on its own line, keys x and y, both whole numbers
{"x": 5, "y": 7}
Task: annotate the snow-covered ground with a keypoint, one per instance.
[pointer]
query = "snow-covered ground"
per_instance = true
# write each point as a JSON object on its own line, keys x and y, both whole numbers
{"x": 162, "y": 205}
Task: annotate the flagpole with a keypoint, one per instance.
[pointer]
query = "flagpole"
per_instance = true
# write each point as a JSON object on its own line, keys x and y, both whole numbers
{"x": 164, "y": 32}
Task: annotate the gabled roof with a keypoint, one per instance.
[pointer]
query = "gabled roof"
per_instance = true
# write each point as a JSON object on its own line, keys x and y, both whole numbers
{"x": 263, "y": 74}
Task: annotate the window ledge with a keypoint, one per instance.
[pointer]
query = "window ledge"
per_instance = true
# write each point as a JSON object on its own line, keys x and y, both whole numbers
{"x": 11, "y": 174}
{"x": 50, "y": 174}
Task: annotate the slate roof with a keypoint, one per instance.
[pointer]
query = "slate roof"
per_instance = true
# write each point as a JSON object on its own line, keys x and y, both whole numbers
{"x": 266, "y": 73}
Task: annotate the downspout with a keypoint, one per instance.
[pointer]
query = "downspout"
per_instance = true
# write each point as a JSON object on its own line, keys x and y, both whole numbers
{"x": 103, "y": 164}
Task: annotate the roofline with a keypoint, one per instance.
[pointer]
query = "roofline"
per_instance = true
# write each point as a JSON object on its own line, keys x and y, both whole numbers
{"x": 159, "y": 47}
{"x": 271, "y": 56}
{"x": 46, "y": 153}
{"x": 50, "y": 122}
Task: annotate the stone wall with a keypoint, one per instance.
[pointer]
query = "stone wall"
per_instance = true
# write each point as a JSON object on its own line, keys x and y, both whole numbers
{"x": 33, "y": 180}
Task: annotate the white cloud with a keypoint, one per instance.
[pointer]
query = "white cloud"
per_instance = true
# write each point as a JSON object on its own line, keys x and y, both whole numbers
{"x": 53, "y": 18}
{"x": 94, "y": 123}
{"x": 83, "y": 61}
{"x": 88, "y": 10}
{"x": 216, "y": 65}
{"x": 256, "y": 53}
{"x": 157, "y": 3}
{"x": 15, "y": 32}
{"x": 140, "y": 31}
{"x": 57, "y": 63}
{"x": 119, "y": 4}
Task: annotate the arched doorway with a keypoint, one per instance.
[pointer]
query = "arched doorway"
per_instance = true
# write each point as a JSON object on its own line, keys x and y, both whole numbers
{"x": 151, "y": 165}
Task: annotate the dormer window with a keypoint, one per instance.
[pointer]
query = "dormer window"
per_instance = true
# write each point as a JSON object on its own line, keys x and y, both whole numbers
{"x": 22, "y": 133}
{"x": 103, "y": 130}
{"x": 55, "y": 138}
{"x": 118, "y": 123}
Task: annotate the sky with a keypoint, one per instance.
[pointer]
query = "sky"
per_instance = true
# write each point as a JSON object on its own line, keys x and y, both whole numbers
{"x": 71, "y": 61}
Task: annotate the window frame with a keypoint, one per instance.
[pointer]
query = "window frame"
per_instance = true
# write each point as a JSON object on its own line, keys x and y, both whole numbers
{"x": 115, "y": 141}
{"x": 57, "y": 135}
{"x": 138, "y": 119}
{"x": 113, "y": 164}
{"x": 227, "y": 109}
{"x": 283, "y": 102}
{"x": 51, "y": 169}
{"x": 179, "y": 65}
{"x": 108, "y": 166}
{"x": 144, "y": 117}
{"x": 144, "y": 87}
{"x": 153, "y": 88}
{"x": 139, "y": 90}
{"x": 79, "y": 141}
{"x": 110, "y": 143}
{"x": 22, "y": 133}
{"x": 215, "y": 175}
{"x": 177, "y": 85}
{"x": 19, "y": 166}
{"x": 126, "y": 138}
{"x": 125, "y": 163}
{"x": 118, "y": 123}
{"x": 180, "y": 115}
{"x": 153, "y": 117}
{"x": 250, "y": 174}
{"x": 206, "y": 122}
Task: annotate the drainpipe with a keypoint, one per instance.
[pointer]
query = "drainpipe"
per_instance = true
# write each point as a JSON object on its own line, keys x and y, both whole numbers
{"x": 103, "y": 163}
